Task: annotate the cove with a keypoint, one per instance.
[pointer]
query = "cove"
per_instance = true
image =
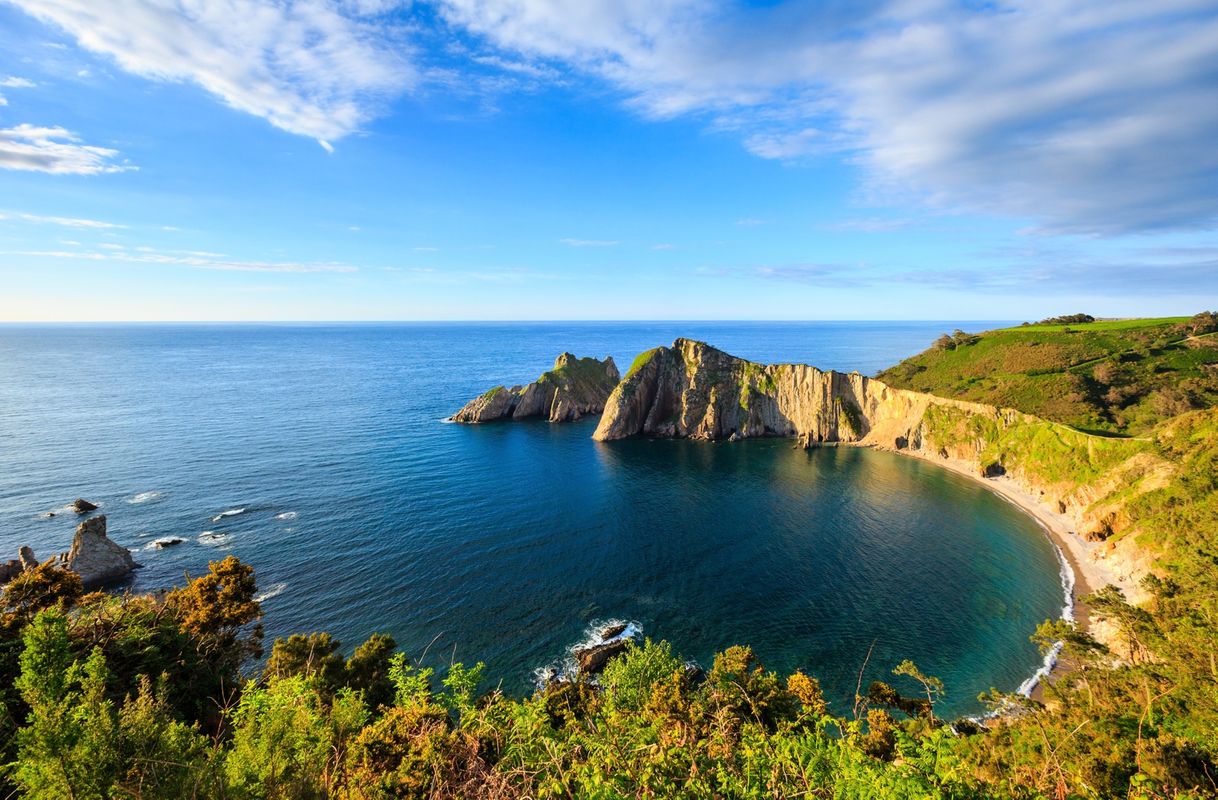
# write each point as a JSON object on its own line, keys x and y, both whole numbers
{"x": 809, "y": 557}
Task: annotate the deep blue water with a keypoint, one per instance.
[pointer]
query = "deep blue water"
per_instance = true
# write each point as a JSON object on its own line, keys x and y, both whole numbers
{"x": 362, "y": 512}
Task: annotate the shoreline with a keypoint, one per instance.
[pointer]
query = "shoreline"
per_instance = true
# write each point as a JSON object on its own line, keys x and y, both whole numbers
{"x": 1089, "y": 576}
{"x": 1081, "y": 575}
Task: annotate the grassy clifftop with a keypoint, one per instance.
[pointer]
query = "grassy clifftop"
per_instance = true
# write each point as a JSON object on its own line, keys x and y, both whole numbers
{"x": 1117, "y": 376}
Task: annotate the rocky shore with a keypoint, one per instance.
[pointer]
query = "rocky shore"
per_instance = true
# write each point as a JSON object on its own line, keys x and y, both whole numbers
{"x": 93, "y": 555}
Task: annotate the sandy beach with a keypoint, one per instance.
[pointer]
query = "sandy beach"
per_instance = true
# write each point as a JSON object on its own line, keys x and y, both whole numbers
{"x": 1089, "y": 574}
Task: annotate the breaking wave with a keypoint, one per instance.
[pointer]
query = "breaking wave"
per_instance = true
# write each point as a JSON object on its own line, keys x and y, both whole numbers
{"x": 232, "y": 512}
{"x": 566, "y": 668}
{"x": 274, "y": 591}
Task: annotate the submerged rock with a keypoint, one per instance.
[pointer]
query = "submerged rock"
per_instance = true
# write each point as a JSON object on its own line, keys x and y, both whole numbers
{"x": 575, "y": 387}
{"x": 83, "y": 506}
{"x": 96, "y": 558}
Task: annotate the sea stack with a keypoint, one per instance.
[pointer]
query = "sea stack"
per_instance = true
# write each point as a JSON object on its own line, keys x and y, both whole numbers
{"x": 95, "y": 557}
{"x": 574, "y": 388}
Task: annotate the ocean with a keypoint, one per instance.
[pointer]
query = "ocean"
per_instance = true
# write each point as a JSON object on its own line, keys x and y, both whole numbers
{"x": 318, "y": 454}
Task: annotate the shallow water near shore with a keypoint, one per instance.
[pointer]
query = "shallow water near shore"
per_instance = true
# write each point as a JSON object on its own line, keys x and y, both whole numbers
{"x": 316, "y": 453}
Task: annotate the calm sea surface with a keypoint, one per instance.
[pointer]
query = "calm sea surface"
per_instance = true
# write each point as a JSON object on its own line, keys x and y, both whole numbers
{"x": 317, "y": 454}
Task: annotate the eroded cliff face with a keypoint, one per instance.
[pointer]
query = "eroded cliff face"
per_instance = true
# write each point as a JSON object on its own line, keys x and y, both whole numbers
{"x": 574, "y": 388}
{"x": 692, "y": 390}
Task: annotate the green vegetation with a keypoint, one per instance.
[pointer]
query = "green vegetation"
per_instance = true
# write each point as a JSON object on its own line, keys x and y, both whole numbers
{"x": 640, "y": 361}
{"x": 1120, "y": 376}
{"x": 162, "y": 696}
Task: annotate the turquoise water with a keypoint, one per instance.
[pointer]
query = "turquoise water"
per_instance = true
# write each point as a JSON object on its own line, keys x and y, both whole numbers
{"x": 363, "y": 512}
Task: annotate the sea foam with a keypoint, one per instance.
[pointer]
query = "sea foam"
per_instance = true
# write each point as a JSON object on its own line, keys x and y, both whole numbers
{"x": 566, "y": 668}
{"x": 275, "y": 590}
{"x": 232, "y": 512}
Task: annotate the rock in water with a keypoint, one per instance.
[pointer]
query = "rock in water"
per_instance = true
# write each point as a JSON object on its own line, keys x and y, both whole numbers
{"x": 96, "y": 558}
{"x": 592, "y": 659}
{"x": 167, "y": 541}
{"x": 616, "y": 629}
{"x": 82, "y": 506}
{"x": 575, "y": 387}
{"x": 28, "y": 561}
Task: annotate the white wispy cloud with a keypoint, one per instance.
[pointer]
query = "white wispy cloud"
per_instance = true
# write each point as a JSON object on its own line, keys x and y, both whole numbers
{"x": 54, "y": 150}
{"x": 589, "y": 242}
{"x": 12, "y": 82}
{"x": 1028, "y": 108}
{"x": 194, "y": 260}
{"x": 67, "y": 222}
{"x": 310, "y": 67}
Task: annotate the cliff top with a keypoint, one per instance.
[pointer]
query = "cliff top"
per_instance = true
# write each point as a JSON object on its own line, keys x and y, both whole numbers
{"x": 1107, "y": 376}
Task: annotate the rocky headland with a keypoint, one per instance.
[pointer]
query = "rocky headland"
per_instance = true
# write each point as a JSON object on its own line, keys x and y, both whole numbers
{"x": 1076, "y": 483}
{"x": 575, "y": 387}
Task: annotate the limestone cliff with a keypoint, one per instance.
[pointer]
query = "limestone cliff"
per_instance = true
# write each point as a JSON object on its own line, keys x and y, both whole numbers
{"x": 692, "y": 390}
{"x": 575, "y": 387}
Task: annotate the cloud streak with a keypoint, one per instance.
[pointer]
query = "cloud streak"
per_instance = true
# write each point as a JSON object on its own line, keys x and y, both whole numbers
{"x": 207, "y": 261}
{"x": 315, "y": 68}
{"x": 1030, "y": 108}
{"x": 67, "y": 222}
{"x": 54, "y": 150}
{"x": 1189, "y": 272}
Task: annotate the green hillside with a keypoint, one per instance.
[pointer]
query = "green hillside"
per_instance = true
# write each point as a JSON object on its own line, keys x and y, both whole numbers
{"x": 1118, "y": 376}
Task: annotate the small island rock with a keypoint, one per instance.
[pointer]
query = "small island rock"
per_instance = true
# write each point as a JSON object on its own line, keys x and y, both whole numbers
{"x": 574, "y": 388}
{"x": 83, "y": 506}
{"x": 96, "y": 558}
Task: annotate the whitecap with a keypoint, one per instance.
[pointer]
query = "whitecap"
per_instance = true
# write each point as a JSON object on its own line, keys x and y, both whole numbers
{"x": 214, "y": 538}
{"x": 145, "y": 497}
{"x": 287, "y": 515}
{"x": 274, "y": 591}
{"x": 232, "y": 512}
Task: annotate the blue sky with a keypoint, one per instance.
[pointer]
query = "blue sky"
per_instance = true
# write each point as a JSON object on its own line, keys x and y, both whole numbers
{"x": 606, "y": 159}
